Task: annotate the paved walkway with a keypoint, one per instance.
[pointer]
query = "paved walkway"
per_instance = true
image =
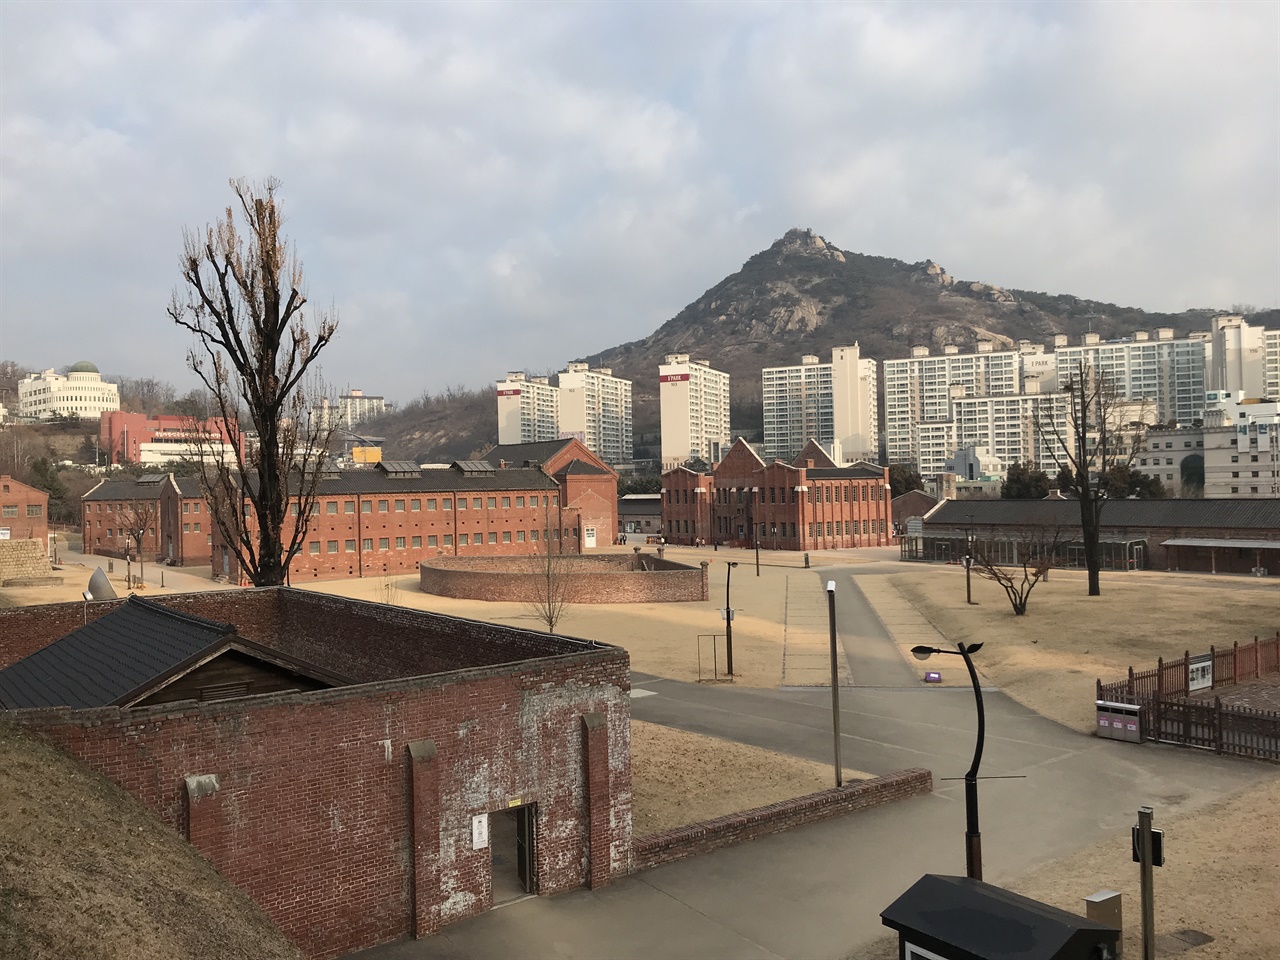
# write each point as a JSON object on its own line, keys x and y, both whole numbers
{"x": 817, "y": 891}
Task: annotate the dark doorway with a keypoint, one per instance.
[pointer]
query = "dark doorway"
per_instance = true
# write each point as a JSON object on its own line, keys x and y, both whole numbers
{"x": 513, "y": 845}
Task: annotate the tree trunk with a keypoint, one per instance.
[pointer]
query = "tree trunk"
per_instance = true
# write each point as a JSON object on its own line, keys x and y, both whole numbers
{"x": 1090, "y": 530}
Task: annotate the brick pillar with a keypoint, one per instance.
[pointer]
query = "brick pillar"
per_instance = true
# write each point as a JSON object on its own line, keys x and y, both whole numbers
{"x": 206, "y": 823}
{"x": 595, "y": 752}
{"x": 424, "y": 794}
{"x": 706, "y": 593}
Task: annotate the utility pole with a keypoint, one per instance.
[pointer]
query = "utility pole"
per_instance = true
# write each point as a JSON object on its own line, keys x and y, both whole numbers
{"x": 1145, "y": 861}
{"x": 728, "y": 619}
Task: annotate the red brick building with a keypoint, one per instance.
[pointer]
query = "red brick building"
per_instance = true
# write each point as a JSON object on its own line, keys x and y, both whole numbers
{"x": 186, "y": 527}
{"x": 445, "y": 760}
{"x": 809, "y": 504}
{"x": 121, "y": 436}
{"x": 24, "y": 512}
{"x": 109, "y": 510}
{"x": 588, "y": 485}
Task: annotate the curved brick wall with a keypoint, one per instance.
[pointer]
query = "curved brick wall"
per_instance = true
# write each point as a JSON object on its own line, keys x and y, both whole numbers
{"x": 612, "y": 578}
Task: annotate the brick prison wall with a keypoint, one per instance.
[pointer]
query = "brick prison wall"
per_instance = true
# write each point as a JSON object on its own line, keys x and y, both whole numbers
{"x": 611, "y": 578}
{"x": 311, "y": 809}
{"x": 734, "y": 828}
{"x": 23, "y": 558}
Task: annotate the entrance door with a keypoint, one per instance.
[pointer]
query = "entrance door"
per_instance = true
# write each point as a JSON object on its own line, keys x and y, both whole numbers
{"x": 525, "y": 848}
{"x": 589, "y": 537}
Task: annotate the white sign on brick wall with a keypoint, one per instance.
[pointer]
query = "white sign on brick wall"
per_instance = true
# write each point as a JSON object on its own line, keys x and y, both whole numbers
{"x": 480, "y": 831}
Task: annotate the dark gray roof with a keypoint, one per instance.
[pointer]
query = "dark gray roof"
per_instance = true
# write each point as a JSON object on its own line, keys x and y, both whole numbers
{"x": 1242, "y": 514}
{"x": 970, "y": 918}
{"x": 852, "y": 472}
{"x": 189, "y": 487}
{"x": 104, "y": 662}
{"x": 127, "y": 489}
{"x": 581, "y": 467}
{"x": 434, "y": 481}
{"x": 399, "y": 468}
{"x": 526, "y": 453}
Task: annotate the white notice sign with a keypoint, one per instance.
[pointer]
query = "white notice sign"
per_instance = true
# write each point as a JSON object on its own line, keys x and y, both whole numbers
{"x": 480, "y": 831}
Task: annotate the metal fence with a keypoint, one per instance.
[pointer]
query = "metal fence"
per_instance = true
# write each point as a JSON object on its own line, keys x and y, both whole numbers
{"x": 1170, "y": 715}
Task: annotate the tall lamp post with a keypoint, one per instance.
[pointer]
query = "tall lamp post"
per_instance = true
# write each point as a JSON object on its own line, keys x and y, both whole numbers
{"x": 968, "y": 560}
{"x": 835, "y": 680}
{"x": 728, "y": 618}
{"x": 972, "y": 836}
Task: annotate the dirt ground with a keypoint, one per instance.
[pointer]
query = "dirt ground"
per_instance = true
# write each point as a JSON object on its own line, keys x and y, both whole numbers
{"x": 87, "y": 873}
{"x": 1050, "y": 658}
{"x": 679, "y": 778}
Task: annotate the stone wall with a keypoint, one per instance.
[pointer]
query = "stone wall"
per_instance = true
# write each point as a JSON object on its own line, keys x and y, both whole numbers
{"x": 23, "y": 559}
{"x": 610, "y": 578}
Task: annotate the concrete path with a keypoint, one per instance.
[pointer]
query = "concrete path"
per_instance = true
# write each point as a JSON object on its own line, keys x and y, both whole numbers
{"x": 817, "y": 891}
{"x": 806, "y": 649}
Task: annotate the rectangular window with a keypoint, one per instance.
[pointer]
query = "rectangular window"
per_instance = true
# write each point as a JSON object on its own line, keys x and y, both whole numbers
{"x": 431, "y": 541}
{"x": 476, "y": 503}
{"x": 349, "y": 546}
{"x": 35, "y": 509}
{"x": 186, "y": 508}
{"x": 464, "y": 539}
{"x": 399, "y": 506}
{"x": 447, "y": 505}
{"x": 196, "y": 508}
{"x": 383, "y": 506}
{"x": 366, "y": 544}
{"x": 384, "y": 543}
{"x": 555, "y": 500}
{"x": 186, "y": 528}
{"x": 366, "y": 506}
{"x": 448, "y": 540}
{"x": 533, "y": 535}
{"x": 331, "y": 506}
{"x": 331, "y": 546}
{"x": 208, "y": 538}
{"x": 544, "y": 503}
{"x": 828, "y": 523}
{"x": 293, "y": 509}
{"x": 416, "y": 542}
{"x": 506, "y": 536}
{"x": 519, "y": 501}
{"x": 431, "y": 504}
{"x": 493, "y": 503}
{"x": 506, "y": 503}
{"x": 519, "y": 536}
{"x": 349, "y": 506}
{"x": 194, "y": 526}
{"x": 493, "y": 537}
{"x": 313, "y": 546}
{"x": 415, "y": 505}
{"x": 399, "y": 543}
{"x": 462, "y": 503}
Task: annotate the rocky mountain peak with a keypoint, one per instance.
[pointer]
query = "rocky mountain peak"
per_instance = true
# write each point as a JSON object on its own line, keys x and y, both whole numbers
{"x": 804, "y": 242}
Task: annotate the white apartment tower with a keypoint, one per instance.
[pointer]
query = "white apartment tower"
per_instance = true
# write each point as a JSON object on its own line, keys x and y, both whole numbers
{"x": 833, "y": 403}
{"x": 694, "y": 400}
{"x": 920, "y": 390}
{"x": 528, "y": 409}
{"x": 595, "y": 407}
{"x": 1244, "y": 358}
{"x": 1168, "y": 373}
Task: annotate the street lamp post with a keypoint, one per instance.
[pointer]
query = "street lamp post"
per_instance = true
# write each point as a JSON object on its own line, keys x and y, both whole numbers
{"x": 972, "y": 836}
{"x": 968, "y": 560}
{"x": 835, "y": 680}
{"x": 728, "y": 618}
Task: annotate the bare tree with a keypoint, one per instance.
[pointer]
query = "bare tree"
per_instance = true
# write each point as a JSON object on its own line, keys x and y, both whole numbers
{"x": 254, "y": 350}
{"x": 553, "y": 584}
{"x": 1019, "y": 561}
{"x": 136, "y": 520}
{"x": 1102, "y": 431}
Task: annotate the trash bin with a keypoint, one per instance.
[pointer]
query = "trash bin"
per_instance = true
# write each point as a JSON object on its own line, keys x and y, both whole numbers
{"x": 1119, "y": 721}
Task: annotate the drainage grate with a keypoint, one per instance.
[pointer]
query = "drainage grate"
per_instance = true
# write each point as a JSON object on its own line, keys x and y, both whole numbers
{"x": 1181, "y": 941}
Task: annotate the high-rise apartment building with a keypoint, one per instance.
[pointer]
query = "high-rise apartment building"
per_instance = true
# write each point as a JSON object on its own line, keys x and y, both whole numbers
{"x": 1169, "y": 373}
{"x": 528, "y": 409}
{"x": 1244, "y": 358}
{"x": 920, "y": 389}
{"x": 694, "y": 401}
{"x": 595, "y": 407}
{"x": 833, "y": 403}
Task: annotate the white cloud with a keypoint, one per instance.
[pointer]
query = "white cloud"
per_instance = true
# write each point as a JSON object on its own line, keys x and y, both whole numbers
{"x": 489, "y": 186}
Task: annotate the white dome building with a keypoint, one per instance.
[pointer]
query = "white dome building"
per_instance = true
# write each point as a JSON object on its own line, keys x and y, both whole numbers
{"x": 81, "y": 393}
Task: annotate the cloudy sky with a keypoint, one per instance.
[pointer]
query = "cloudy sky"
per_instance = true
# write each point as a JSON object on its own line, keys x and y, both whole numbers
{"x": 481, "y": 187}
